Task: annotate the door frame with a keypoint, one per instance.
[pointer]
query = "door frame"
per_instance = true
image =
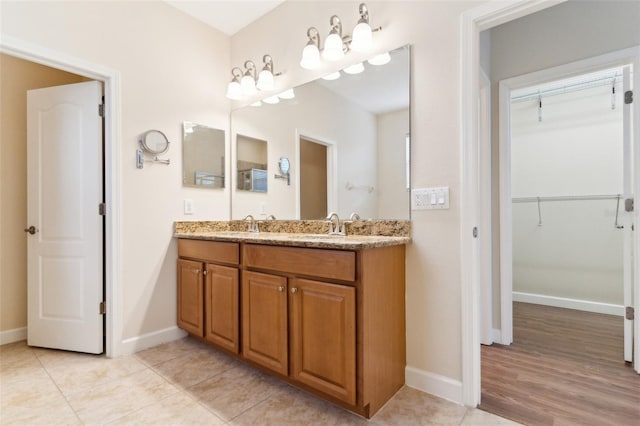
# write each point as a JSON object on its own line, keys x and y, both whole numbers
{"x": 472, "y": 211}
{"x": 472, "y": 22}
{"x": 112, "y": 168}
{"x": 332, "y": 170}
{"x": 608, "y": 60}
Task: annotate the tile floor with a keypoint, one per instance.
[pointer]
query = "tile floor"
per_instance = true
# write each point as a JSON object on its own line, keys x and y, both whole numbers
{"x": 184, "y": 383}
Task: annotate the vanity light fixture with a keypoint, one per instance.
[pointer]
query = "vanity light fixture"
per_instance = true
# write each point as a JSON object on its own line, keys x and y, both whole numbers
{"x": 380, "y": 59}
{"x": 332, "y": 76}
{"x": 287, "y": 94}
{"x": 354, "y": 69}
{"x": 336, "y": 45}
{"x": 271, "y": 100}
{"x": 265, "y": 78}
{"x": 234, "y": 89}
{"x": 246, "y": 83}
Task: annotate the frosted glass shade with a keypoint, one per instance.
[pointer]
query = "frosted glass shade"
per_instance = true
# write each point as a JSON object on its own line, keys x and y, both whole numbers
{"x": 271, "y": 100}
{"x": 248, "y": 85}
{"x": 265, "y": 80}
{"x": 332, "y": 76}
{"x": 310, "y": 57}
{"x": 361, "y": 39}
{"x": 333, "y": 48}
{"x": 234, "y": 91}
{"x": 380, "y": 59}
{"x": 354, "y": 69}
{"x": 287, "y": 94}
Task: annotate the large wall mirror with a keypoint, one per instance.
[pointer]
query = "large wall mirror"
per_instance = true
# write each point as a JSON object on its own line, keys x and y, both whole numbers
{"x": 202, "y": 156}
{"x": 348, "y": 144}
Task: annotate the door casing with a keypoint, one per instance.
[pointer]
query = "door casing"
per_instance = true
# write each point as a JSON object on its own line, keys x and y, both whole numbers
{"x": 111, "y": 80}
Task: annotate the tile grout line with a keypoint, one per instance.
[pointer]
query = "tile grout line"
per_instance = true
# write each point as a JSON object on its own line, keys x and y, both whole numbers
{"x": 56, "y": 385}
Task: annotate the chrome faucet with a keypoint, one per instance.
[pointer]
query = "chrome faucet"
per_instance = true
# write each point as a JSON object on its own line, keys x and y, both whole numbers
{"x": 334, "y": 224}
{"x": 354, "y": 216}
{"x": 271, "y": 217}
{"x": 253, "y": 225}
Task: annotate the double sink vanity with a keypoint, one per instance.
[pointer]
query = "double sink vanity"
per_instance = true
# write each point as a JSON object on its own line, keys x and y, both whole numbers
{"x": 323, "y": 312}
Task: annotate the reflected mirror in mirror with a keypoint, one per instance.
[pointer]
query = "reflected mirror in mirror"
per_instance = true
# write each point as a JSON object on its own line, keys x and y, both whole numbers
{"x": 349, "y": 137}
{"x": 251, "y": 164}
{"x": 202, "y": 156}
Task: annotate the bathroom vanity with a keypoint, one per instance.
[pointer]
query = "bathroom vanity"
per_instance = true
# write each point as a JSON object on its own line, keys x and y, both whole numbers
{"x": 325, "y": 313}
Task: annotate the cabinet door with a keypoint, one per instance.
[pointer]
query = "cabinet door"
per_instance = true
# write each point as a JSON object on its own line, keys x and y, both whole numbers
{"x": 222, "y": 302}
{"x": 264, "y": 320}
{"x": 190, "y": 297}
{"x": 323, "y": 337}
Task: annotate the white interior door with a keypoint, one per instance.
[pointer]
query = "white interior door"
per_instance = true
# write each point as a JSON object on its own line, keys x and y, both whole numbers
{"x": 65, "y": 250}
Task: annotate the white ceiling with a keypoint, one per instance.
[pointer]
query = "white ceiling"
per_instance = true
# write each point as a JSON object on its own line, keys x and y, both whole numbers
{"x": 224, "y": 15}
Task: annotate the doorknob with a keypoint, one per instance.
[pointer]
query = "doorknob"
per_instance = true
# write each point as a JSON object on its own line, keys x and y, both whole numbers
{"x": 32, "y": 230}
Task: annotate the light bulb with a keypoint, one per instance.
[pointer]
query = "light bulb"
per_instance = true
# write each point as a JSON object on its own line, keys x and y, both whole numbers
{"x": 234, "y": 91}
{"x": 361, "y": 40}
{"x": 248, "y": 85}
{"x": 354, "y": 69}
{"x": 380, "y": 59}
{"x": 265, "y": 80}
{"x": 333, "y": 48}
{"x": 310, "y": 57}
{"x": 332, "y": 76}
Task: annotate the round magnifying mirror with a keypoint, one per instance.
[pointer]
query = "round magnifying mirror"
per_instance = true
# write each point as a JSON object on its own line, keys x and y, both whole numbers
{"x": 154, "y": 141}
{"x": 284, "y": 165}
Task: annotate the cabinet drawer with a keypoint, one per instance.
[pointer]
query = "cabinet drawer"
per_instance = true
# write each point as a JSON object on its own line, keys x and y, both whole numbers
{"x": 332, "y": 264}
{"x": 209, "y": 251}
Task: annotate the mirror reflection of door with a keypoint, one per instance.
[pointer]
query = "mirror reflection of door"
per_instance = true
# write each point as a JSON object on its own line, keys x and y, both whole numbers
{"x": 313, "y": 180}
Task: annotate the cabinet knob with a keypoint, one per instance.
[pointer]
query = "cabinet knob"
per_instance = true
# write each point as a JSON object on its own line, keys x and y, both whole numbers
{"x": 294, "y": 290}
{"x": 197, "y": 271}
{"x": 281, "y": 288}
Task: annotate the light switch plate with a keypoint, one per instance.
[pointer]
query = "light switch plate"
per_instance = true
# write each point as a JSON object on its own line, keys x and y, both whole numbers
{"x": 430, "y": 198}
{"x": 188, "y": 206}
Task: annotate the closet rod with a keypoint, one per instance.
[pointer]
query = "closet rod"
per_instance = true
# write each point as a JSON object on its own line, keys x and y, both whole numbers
{"x": 570, "y": 87}
{"x": 565, "y": 198}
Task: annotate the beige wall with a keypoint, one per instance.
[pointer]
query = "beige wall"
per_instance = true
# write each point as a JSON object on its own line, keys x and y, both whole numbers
{"x": 172, "y": 68}
{"x": 17, "y": 76}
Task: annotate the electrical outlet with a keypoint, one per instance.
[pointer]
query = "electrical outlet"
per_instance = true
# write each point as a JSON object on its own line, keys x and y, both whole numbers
{"x": 430, "y": 198}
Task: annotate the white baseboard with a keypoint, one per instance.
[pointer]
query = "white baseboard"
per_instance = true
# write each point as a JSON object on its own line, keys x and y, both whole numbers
{"x": 562, "y": 302}
{"x": 435, "y": 384}
{"x": 496, "y": 335}
{"x": 139, "y": 343}
{"x": 15, "y": 335}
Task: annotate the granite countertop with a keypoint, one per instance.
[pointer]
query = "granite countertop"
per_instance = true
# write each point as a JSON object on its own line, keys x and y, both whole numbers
{"x": 364, "y": 234}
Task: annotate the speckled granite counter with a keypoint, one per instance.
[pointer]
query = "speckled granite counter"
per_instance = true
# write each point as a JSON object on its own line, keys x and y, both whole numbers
{"x": 300, "y": 233}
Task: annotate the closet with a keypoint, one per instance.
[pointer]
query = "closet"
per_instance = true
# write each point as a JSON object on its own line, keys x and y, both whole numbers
{"x": 567, "y": 184}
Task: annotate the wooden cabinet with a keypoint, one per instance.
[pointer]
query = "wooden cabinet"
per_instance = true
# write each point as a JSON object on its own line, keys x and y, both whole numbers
{"x": 190, "y": 298}
{"x": 222, "y": 304}
{"x": 209, "y": 292}
{"x": 327, "y": 320}
{"x": 264, "y": 320}
{"x": 323, "y": 337}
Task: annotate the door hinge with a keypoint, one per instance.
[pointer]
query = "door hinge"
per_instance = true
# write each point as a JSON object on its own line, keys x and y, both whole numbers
{"x": 628, "y": 204}
{"x": 102, "y": 209}
{"x": 103, "y": 308}
{"x": 628, "y": 97}
{"x": 629, "y": 313}
{"x": 475, "y": 232}
{"x": 101, "y": 110}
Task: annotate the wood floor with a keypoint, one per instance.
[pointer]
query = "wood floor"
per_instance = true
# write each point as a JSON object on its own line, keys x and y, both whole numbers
{"x": 564, "y": 367}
